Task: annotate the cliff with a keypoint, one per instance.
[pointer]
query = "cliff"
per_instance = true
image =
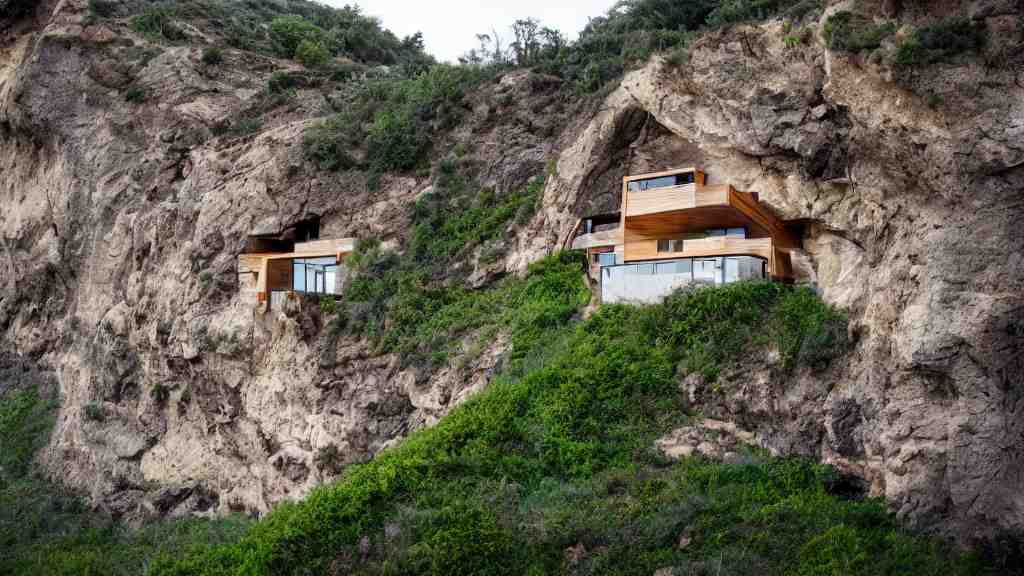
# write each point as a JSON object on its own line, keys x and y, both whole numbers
{"x": 122, "y": 221}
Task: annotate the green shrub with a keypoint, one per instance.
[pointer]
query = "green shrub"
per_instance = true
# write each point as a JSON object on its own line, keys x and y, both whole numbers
{"x": 940, "y": 41}
{"x": 807, "y": 331}
{"x": 157, "y": 23}
{"x": 159, "y": 393}
{"x": 328, "y": 305}
{"x": 728, "y": 12}
{"x": 102, "y": 8}
{"x": 135, "y": 94}
{"x": 281, "y": 82}
{"x": 213, "y": 56}
{"x": 311, "y": 53}
{"x": 849, "y": 32}
{"x": 328, "y": 144}
{"x": 94, "y": 412}
{"x": 205, "y": 280}
{"x": 289, "y": 32}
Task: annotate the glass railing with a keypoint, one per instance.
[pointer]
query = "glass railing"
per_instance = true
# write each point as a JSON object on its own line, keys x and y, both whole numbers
{"x": 649, "y": 282}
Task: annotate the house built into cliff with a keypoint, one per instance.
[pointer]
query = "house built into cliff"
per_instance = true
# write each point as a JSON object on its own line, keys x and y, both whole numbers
{"x": 674, "y": 229}
{"x": 272, "y": 268}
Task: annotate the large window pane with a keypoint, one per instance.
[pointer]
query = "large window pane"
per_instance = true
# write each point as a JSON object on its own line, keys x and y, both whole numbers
{"x": 298, "y": 276}
{"x": 606, "y": 258}
{"x": 705, "y": 269}
{"x": 732, "y": 269}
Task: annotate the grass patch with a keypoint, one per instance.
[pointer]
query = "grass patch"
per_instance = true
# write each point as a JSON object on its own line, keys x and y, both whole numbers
{"x": 556, "y": 454}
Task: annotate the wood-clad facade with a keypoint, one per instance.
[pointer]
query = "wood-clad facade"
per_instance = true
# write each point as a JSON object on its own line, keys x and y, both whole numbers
{"x": 675, "y": 214}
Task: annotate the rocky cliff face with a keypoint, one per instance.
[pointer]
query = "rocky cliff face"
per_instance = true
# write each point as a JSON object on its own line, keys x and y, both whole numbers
{"x": 121, "y": 224}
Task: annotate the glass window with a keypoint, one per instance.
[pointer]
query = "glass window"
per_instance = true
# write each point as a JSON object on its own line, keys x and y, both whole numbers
{"x": 732, "y": 269}
{"x": 643, "y": 269}
{"x": 705, "y": 269}
{"x": 676, "y": 267}
{"x": 298, "y": 276}
{"x": 664, "y": 245}
{"x": 664, "y": 268}
{"x": 715, "y": 232}
{"x": 606, "y": 258}
{"x": 736, "y": 232}
{"x": 661, "y": 182}
{"x": 311, "y": 275}
{"x": 331, "y": 280}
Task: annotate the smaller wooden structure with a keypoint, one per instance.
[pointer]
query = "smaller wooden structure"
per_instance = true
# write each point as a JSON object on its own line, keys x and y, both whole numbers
{"x": 315, "y": 266}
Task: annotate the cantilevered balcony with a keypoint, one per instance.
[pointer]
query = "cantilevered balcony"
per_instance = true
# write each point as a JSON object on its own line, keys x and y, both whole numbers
{"x": 597, "y": 239}
{"x": 674, "y": 198}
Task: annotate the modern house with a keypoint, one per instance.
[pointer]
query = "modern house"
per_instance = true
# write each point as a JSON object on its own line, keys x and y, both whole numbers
{"x": 674, "y": 229}
{"x": 274, "y": 267}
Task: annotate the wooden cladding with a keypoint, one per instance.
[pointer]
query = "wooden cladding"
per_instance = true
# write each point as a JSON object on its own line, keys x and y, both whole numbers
{"x": 673, "y": 198}
{"x": 717, "y": 246}
{"x": 325, "y": 247}
{"x": 745, "y": 202}
{"x": 660, "y": 200}
{"x": 778, "y": 261}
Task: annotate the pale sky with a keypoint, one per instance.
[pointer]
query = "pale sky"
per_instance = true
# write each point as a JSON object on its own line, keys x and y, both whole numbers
{"x": 450, "y": 26}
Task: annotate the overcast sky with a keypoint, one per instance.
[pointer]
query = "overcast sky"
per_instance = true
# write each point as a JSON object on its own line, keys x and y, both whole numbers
{"x": 450, "y": 26}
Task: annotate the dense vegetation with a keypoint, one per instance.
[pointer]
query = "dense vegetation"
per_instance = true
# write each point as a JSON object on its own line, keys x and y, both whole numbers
{"x": 936, "y": 42}
{"x": 416, "y": 303}
{"x": 626, "y": 36}
{"x": 395, "y": 117}
{"x": 287, "y": 28}
{"x": 551, "y": 469}
{"x": 941, "y": 41}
